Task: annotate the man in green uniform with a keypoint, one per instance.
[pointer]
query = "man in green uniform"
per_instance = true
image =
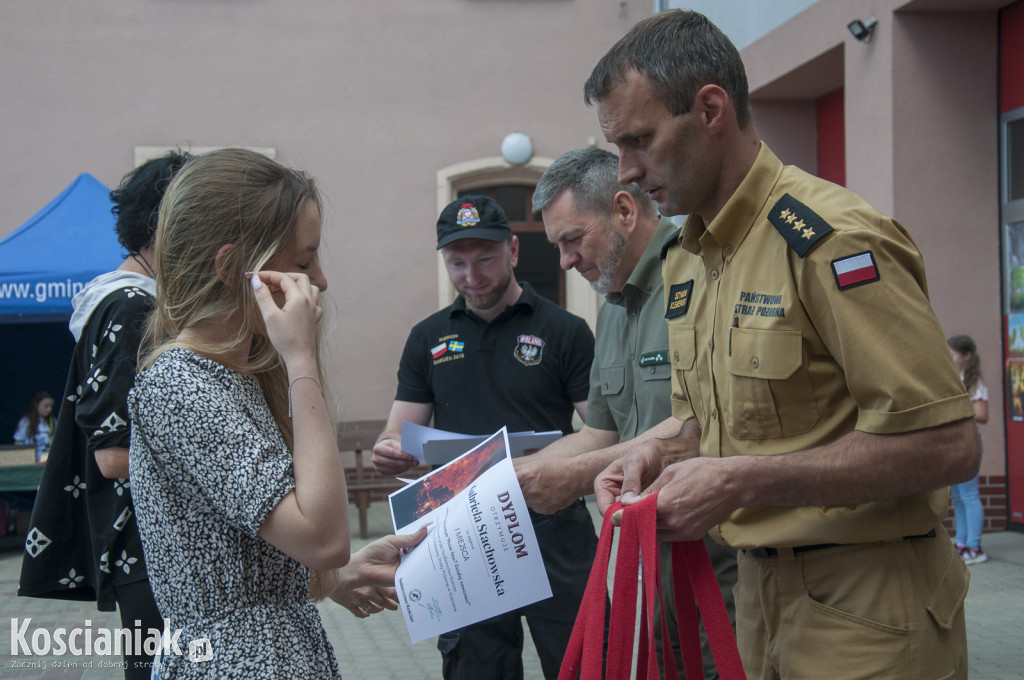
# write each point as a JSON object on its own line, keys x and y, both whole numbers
{"x": 822, "y": 410}
{"x": 612, "y": 235}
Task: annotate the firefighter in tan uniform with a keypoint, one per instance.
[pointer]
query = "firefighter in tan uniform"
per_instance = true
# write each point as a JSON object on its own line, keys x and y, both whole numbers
{"x": 823, "y": 413}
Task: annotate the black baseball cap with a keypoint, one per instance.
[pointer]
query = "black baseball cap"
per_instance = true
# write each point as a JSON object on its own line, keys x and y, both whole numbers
{"x": 472, "y": 217}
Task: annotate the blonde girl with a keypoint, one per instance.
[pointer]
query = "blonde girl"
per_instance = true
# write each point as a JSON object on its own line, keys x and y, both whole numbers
{"x": 238, "y": 484}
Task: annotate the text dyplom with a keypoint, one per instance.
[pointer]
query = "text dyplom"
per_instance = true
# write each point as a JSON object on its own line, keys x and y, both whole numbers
{"x": 480, "y": 556}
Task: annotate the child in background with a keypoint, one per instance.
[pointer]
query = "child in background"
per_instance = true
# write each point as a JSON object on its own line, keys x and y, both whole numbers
{"x": 36, "y": 427}
{"x": 967, "y": 508}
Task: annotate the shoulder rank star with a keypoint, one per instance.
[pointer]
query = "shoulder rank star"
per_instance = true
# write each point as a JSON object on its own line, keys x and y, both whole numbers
{"x": 799, "y": 225}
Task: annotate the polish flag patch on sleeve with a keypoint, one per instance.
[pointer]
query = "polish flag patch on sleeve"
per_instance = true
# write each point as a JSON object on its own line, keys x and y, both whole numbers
{"x": 855, "y": 270}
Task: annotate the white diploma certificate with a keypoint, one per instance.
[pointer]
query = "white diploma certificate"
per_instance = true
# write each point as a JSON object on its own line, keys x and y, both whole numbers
{"x": 480, "y": 557}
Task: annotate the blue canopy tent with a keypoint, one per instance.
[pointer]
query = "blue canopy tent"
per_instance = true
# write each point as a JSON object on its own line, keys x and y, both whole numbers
{"x": 43, "y": 263}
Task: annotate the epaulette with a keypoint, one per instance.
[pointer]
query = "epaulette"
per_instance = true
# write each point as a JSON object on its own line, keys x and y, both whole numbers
{"x": 668, "y": 243}
{"x": 799, "y": 225}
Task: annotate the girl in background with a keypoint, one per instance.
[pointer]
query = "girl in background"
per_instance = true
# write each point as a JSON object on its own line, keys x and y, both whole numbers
{"x": 967, "y": 508}
{"x": 36, "y": 427}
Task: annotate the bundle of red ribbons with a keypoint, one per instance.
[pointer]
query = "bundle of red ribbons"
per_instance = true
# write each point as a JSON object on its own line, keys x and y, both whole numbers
{"x": 695, "y": 586}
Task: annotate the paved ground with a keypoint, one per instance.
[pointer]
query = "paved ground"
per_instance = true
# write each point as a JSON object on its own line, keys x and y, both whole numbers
{"x": 378, "y": 648}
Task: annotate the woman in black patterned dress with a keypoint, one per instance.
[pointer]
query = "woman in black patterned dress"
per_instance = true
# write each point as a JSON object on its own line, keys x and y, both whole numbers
{"x": 238, "y": 484}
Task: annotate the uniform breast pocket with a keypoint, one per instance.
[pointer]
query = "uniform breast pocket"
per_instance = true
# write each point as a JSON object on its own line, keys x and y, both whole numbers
{"x": 656, "y": 372}
{"x": 770, "y": 394}
{"x": 613, "y": 378}
{"x": 682, "y": 342}
{"x": 613, "y": 389}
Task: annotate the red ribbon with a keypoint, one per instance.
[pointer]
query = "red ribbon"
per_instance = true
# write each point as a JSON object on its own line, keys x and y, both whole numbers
{"x": 695, "y": 588}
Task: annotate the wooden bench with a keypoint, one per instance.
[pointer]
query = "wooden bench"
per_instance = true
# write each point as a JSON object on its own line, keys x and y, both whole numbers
{"x": 365, "y": 485}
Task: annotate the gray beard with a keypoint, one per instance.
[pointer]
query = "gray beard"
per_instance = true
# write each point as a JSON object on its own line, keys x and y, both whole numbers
{"x": 610, "y": 264}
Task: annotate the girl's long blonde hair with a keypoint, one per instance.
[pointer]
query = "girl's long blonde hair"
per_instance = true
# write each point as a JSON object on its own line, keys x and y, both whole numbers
{"x": 243, "y": 198}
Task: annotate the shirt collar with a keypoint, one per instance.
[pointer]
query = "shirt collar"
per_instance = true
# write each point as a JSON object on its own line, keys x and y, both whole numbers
{"x": 647, "y": 273}
{"x": 739, "y": 213}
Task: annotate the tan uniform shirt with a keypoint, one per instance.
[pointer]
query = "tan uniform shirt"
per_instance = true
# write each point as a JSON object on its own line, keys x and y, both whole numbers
{"x": 810, "y": 327}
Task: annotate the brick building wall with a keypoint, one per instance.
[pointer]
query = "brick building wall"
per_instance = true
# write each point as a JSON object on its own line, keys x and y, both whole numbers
{"x": 992, "y": 489}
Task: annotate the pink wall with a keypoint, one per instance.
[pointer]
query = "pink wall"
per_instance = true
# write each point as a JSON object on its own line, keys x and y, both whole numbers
{"x": 371, "y": 98}
{"x": 920, "y": 116}
{"x": 946, "y": 178}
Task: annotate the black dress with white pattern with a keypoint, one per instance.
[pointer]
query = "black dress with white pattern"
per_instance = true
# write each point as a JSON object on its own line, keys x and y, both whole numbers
{"x": 83, "y": 539}
{"x": 208, "y": 464}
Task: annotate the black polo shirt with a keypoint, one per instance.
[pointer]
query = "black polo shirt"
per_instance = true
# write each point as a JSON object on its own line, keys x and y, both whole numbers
{"x": 523, "y": 370}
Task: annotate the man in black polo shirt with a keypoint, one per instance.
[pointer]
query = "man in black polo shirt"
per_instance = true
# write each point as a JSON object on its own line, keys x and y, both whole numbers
{"x": 500, "y": 355}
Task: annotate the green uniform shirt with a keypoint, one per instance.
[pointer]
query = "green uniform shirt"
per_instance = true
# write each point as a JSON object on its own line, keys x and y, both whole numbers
{"x": 629, "y": 379}
{"x": 814, "y": 322}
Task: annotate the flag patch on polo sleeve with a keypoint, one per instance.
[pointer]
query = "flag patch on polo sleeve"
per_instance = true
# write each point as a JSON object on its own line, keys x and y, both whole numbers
{"x": 855, "y": 270}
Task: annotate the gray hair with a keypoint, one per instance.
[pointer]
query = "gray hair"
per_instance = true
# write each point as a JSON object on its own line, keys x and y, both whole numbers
{"x": 680, "y": 52}
{"x": 593, "y": 177}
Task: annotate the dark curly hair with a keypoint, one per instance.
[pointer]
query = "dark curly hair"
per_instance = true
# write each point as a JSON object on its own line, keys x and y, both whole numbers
{"x": 137, "y": 200}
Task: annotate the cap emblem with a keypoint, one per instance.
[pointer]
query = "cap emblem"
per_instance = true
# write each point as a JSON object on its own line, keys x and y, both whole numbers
{"x": 468, "y": 216}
